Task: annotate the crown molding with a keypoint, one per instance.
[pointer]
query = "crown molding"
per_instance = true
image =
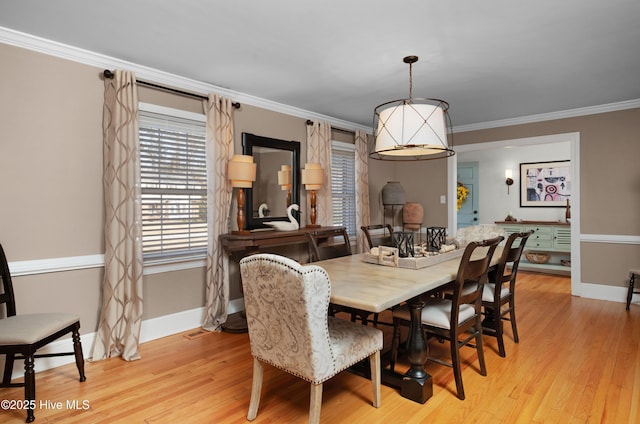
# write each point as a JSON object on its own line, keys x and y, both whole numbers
{"x": 571, "y": 113}
{"x": 64, "y": 51}
{"x": 53, "y": 48}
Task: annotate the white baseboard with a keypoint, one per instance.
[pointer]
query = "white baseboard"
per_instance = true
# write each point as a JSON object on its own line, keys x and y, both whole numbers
{"x": 600, "y": 292}
{"x": 152, "y": 329}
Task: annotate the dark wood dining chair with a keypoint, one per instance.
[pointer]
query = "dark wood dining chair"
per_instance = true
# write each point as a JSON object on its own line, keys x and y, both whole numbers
{"x": 328, "y": 245}
{"x": 378, "y": 235}
{"x": 501, "y": 291}
{"x": 22, "y": 335}
{"x": 458, "y": 316}
{"x": 632, "y": 285}
{"x": 289, "y": 328}
{"x": 332, "y": 246}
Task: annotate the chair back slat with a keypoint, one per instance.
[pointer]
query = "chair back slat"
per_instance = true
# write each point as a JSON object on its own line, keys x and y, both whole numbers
{"x": 7, "y": 298}
{"x": 507, "y": 269}
{"x": 472, "y": 272}
{"x": 378, "y": 235}
{"x": 336, "y": 245}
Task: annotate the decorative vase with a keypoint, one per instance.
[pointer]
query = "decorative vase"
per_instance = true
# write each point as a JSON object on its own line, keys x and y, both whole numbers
{"x": 393, "y": 193}
{"x": 567, "y": 212}
{"x": 412, "y": 215}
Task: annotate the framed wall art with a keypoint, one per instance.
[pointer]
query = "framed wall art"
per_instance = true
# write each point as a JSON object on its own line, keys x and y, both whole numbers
{"x": 545, "y": 184}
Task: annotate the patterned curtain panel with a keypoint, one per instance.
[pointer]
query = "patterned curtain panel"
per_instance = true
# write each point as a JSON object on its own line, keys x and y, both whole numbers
{"x": 118, "y": 331}
{"x": 219, "y": 111}
{"x": 319, "y": 151}
{"x": 363, "y": 214}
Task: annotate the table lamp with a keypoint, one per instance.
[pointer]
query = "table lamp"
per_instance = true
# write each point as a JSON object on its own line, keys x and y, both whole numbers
{"x": 312, "y": 178}
{"x": 242, "y": 172}
{"x": 284, "y": 181}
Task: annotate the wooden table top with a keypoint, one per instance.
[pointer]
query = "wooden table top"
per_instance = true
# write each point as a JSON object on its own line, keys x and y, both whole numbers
{"x": 375, "y": 288}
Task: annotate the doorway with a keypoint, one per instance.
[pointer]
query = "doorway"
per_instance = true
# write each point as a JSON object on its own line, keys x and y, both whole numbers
{"x": 574, "y": 143}
{"x": 468, "y": 176}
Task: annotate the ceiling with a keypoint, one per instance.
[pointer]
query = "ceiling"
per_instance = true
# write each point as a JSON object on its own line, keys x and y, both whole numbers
{"x": 491, "y": 60}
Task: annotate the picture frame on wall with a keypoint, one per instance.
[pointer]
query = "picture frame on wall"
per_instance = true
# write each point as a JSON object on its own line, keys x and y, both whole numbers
{"x": 545, "y": 184}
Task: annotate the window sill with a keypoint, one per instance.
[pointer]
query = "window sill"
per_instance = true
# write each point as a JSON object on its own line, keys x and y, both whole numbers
{"x": 160, "y": 266}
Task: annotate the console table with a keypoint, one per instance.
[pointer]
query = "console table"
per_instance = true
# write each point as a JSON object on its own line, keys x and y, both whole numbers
{"x": 551, "y": 237}
{"x": 256, "y": 241}
{"x": 241, "y": 245}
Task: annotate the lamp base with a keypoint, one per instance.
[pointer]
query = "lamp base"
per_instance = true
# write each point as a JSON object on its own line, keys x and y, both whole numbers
{"x": 313, "y": 226}
{"x": 241, "y": 232}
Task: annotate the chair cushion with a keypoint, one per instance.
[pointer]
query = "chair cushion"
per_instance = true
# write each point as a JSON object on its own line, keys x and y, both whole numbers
{"x": 351, "y": 342}
{"x": 29, "y": 328}
{"x": 488, "y": 290}
{"x": 437, "y": 313}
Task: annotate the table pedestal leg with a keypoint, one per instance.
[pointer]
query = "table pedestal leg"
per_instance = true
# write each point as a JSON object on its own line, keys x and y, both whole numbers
{"x": 416, "y": 383}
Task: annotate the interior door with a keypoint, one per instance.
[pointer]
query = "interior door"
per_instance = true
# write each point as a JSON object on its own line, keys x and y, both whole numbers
{"x": 468, "y": 176}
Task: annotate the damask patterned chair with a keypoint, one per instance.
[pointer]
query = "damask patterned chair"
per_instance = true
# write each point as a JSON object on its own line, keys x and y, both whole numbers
{"x": 22, "y": 335}
{"x": 289, "y": 328}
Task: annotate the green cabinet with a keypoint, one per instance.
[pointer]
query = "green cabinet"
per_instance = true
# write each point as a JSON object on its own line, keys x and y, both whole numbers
{"x": 553, "y": 238}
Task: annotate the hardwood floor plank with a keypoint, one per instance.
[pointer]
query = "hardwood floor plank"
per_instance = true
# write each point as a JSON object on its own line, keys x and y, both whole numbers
{"x": 578, "y": 361}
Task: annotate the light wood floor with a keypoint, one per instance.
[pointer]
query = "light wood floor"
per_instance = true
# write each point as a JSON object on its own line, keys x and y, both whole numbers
{"x": 578, "y": 361}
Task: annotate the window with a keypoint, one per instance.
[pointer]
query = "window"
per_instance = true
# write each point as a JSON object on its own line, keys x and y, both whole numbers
{"x": 343, "y": 185}
{"x": 173, "y": 183}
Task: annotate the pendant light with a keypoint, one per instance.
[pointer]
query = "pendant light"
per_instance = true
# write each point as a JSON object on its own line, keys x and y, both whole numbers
{"x": 411, "y": 129}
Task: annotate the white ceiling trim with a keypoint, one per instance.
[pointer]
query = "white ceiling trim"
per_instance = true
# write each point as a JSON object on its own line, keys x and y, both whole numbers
{"x": 42, "y": 45}
{"x": 571, "y": 113}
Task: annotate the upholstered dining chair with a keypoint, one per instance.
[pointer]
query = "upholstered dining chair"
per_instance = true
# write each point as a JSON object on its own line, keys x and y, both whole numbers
{"x": 22, "y": 335}
{"x": 289, "y": 328}
{"x": 501, "y": 290}
{"x": 378, "y": 235}
{"x": 458, "y": 316}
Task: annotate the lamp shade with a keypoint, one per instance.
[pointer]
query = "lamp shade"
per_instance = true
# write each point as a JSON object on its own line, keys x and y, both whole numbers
{"x": 312, "y": 176}
{"x": 284, "y": 177}
{"x": 406, "y": 129}
{"x": 241, "y": 171}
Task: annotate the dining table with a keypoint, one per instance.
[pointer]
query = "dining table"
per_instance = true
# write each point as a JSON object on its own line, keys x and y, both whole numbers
{"x": 358, "y": 283}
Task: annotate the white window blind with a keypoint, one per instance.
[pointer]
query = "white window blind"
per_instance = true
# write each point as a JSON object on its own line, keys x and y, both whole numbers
{"x": 343, "y": 186}
{"x": 173, "y": 184}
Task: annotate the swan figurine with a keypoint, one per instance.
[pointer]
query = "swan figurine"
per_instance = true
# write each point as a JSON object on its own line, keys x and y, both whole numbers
{"x": 292, "y": 225}
{"x": 263, "y": 210}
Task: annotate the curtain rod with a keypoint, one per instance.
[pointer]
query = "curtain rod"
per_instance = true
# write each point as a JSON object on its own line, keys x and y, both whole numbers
{"x": 109, "y": 74}
{"x": 310, "y": 122}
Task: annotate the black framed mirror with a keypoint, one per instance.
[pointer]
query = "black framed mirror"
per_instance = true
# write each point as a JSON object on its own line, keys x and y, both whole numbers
{"x": 267, "y": 200}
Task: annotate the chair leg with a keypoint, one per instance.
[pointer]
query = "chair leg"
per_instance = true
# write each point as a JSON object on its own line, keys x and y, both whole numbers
{"x": 455, "y": 363}
{"x": 77, "y": 349}
{"x": 499, "y": 335}
{"x": 8, "y": 369}
{"x": 374, "y": 360}
{"x": 512, "y": 318}
{"x": 315, "y": 403}
{"x": 480, "y": 349}
{"x": 256, "y": 388}
{"x": 395, "y": 344}
{"x": 630, "y": 291}
{"x": 29, "y": 385}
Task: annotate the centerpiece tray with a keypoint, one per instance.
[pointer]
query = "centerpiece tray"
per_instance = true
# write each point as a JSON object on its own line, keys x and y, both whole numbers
{"x": 413, "y": 263}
